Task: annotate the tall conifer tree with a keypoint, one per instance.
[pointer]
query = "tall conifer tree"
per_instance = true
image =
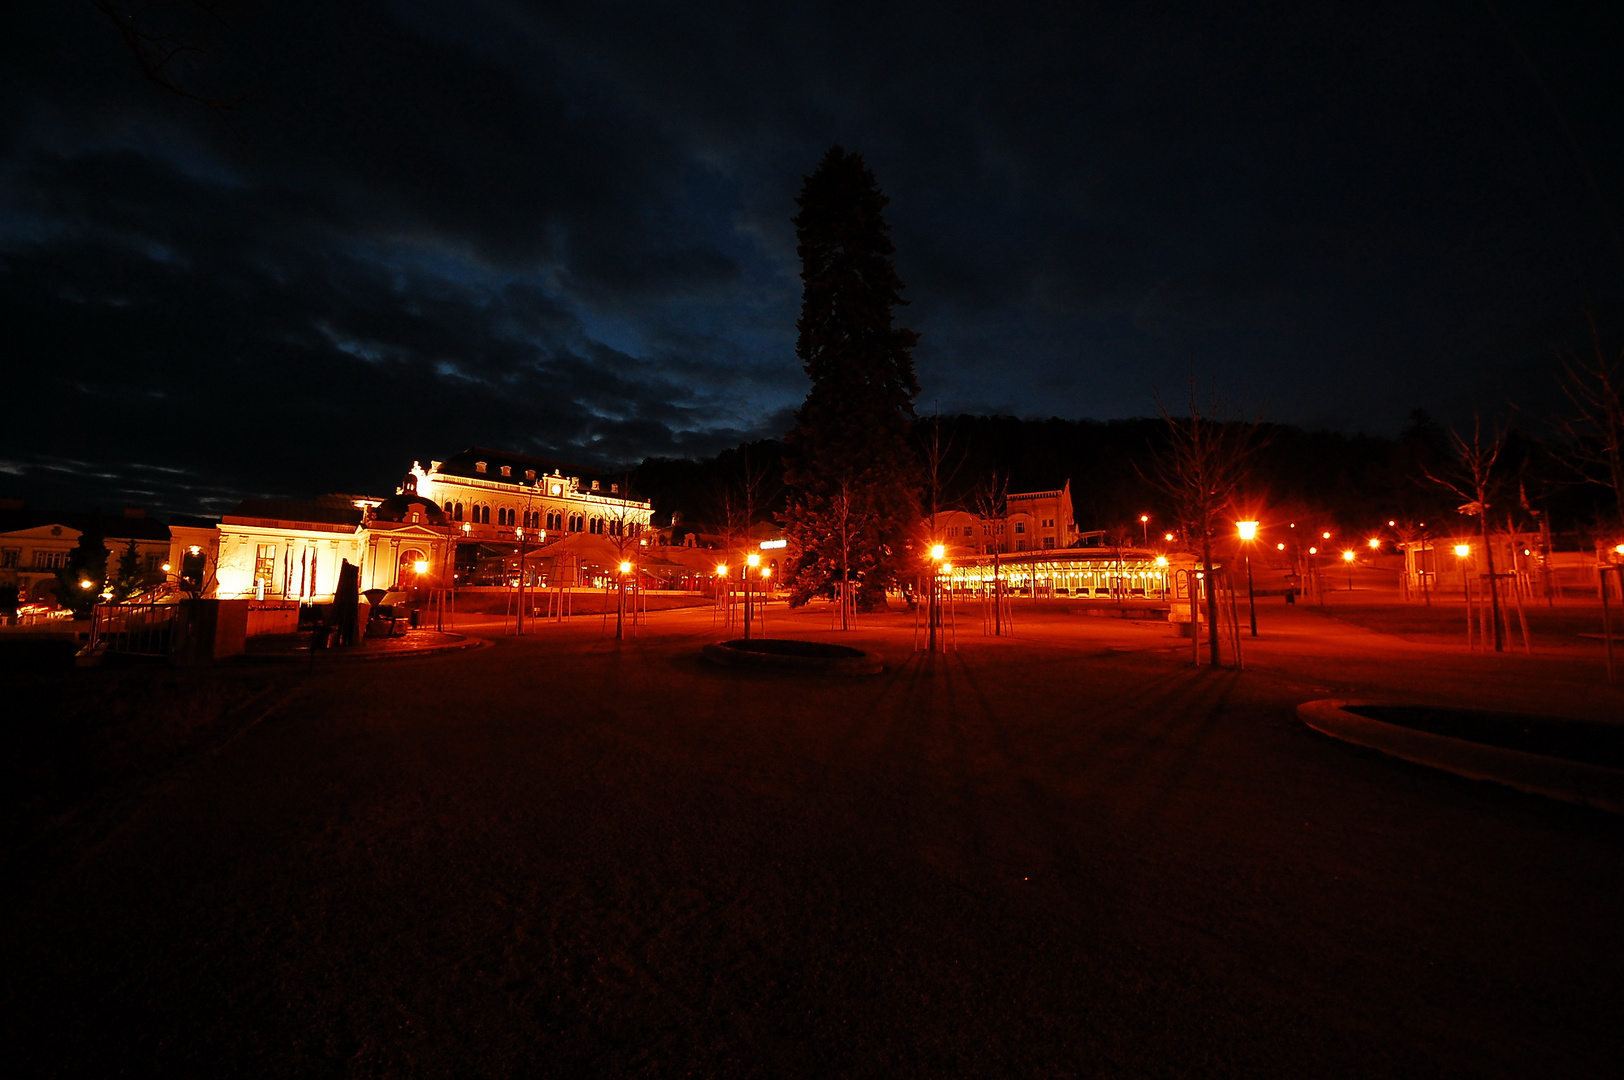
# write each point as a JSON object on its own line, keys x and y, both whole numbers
{"x": 852, "y": 474}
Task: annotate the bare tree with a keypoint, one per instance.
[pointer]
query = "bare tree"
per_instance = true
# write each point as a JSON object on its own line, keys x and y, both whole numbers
{"x": 992, "y": 507}
{"x": 172, "y": 39}
{"x": 1593, "y": 433}
{"x": 1200, "y": 468}
{"x": 1474, "y": 479}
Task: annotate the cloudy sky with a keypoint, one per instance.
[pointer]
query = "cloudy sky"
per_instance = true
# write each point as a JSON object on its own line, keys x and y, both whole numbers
{"x": 565, "y": 228}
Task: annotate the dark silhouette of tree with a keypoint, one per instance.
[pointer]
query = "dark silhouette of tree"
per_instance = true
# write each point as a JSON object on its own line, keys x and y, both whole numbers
{"x": 852, "y": 475}
{"x": 1593, "y": 429}
{"x": 129, "y": 579}
{"x": 172, "y": 40}
{"x": 87, "y": 562}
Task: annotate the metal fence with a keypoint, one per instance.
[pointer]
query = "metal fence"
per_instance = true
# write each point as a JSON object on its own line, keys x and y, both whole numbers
{"x": 139, "y": 629}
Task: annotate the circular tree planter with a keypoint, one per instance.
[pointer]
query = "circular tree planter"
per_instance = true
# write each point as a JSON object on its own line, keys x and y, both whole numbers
{"x": 1560, "y": 759}
{"x": 787, "y": 654}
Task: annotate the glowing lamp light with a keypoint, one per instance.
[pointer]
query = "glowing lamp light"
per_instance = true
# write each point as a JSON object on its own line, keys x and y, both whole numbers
{"x": 753, "y": 560}
{"x": 421, "y": 566}
{"x": 166, "y": 568}
{"x": 1247, "y": 529}
{"x": 1144, "y": 519}
{"x": 1375, "y": 542}
{"x": 1168, "y": 537}
{"x": 625, "y": 568}
{"x": 766, "y": 572}
{"x": 1392, "y": 524}
{"x": 938, "y": 551}
{"x": 947, "y": 568}
{"x": 1325, "y": 535}
{"x": 194, "y": 550}
{"x": 1313, "y": 551}
{"x": 1620, "y": 549}
{"x": 1279, "y": 547}
{"x": 1161, "y": 560}
{"x": 1347, "y": 556}
{"x": 1463, "y": 550}
{"x": 87, "y": 584}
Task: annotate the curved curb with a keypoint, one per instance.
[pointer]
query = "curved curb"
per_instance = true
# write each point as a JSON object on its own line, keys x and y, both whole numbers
{"x": 863, "y": 664}
{"x": 1538, "y": 774}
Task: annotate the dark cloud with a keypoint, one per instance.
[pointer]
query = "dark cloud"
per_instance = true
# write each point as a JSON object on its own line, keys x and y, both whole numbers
{"x": 565, "y": 228}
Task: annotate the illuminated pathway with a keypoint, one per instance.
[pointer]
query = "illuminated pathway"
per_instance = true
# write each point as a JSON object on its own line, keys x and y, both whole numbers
{"x": 1063, "y": 853}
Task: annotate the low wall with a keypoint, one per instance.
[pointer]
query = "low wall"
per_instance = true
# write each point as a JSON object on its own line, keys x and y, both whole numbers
{"x": 272, "y": 617}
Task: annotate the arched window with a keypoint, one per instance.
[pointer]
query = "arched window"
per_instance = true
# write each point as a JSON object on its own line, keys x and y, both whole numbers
{"x": 456, "y": 514}
{"x": 484, "y": 515}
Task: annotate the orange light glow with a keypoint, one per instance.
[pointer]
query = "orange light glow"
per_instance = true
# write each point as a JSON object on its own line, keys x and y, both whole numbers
{"x": 938, "y": 551}
{"x": 1279, "y": 547}
{"x": 166, "y": 568}
{"x": 1161, "y": 560}
{"x": 1144, "y": 519}
{"x": 1313, "y": 551}
{"x": 753, "y": 559}
{"x": 1325, "y": 535}
{"x": 721, "y": 571}
{"x": 421, "y": 566}
{"x": 1375, "y": 542}
{"x": 625, "y": 568}
{"x": 1463, "y": 550}
{"x": 1347, "y": 556}
{"x": 1168, "y": 538}
{"x": 1247, "y": 529}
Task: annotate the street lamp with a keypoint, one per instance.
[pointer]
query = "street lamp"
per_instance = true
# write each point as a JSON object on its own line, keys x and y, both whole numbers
{"x": 751, "y": 560}
{"x": 1248, "y": 533}
{"x": 1347, "y": 557}
{"x": 1462, "y": 552}
{"x": 1144, "y": 527}
{"x": 932, "y": 612}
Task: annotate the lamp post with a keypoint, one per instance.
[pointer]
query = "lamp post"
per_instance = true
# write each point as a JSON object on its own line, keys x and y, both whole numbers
{"x": 1347, "y": 557}
{"x": 620, "y": 612}
{"x": 1463, "y": 552}
{"x": 1144, "y": 527}
{"x": 751, "y": 560}
{"x": 1248, "y": 533}
{"x": 932, "y": 614}
{"x": 722, "y": 597}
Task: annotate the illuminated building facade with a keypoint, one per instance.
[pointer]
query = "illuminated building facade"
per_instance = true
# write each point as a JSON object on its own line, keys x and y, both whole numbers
{"x": 493, "y": 496}
{"x": 482, "y": 508}
{"x": 1033, "y": 521}
{"x": 34, "y": 544}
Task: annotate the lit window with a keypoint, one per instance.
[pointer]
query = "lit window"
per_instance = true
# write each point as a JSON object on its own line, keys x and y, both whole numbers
{"x": 507, "y": 470}
{"x": 479, "y": 466}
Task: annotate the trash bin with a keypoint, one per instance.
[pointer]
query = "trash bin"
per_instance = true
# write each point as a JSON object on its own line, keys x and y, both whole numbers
{"x": 412, "y": 621}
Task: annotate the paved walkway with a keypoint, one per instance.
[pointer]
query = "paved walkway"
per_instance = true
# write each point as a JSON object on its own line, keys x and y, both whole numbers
{"x": 1067, "y": 853}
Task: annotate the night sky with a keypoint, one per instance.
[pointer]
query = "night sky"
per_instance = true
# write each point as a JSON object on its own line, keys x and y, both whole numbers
{"x": 565, "y": 228}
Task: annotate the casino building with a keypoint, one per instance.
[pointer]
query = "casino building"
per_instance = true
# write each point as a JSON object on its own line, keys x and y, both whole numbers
{"x": 474, "y": 519}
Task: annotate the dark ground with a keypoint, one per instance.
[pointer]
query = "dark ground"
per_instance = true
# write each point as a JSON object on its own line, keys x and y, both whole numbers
{"x": 1064, "y": 854}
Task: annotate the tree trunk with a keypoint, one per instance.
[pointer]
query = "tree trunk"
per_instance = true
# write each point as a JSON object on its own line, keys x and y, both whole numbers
{"x": 1212, "y": 599}
{"x": 1494, "y": 584}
